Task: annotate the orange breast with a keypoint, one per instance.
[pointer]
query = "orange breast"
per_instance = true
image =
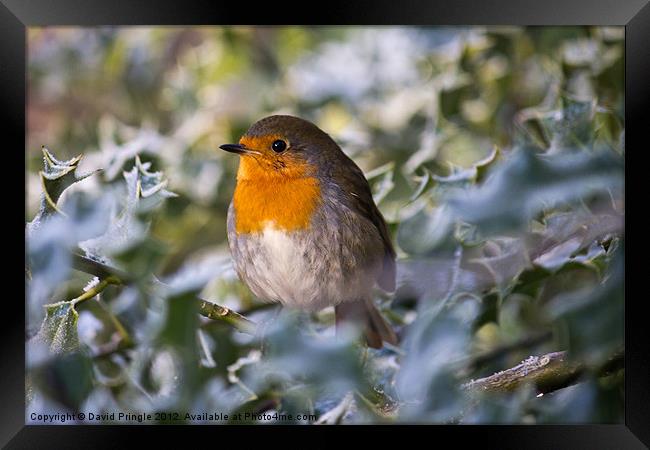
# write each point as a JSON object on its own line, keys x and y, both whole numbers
{"x": 285, "y": 200}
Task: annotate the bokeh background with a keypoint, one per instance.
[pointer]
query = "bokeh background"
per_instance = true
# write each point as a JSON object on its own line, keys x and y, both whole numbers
{"x": 495, "y": 154}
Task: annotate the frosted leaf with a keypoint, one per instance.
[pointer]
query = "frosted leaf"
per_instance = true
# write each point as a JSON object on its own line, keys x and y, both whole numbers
{"x": 145, "y": 190}
{"x": 206, "y": 349}
{"x": 56, "y": 177}
{"x": 115, "y": 156}
{"x": 429, "y": 146}
{"x": 423, "y": 182}
{"x": 382, "y": 188}
{"x": 215, "y": 396}
{"x": 48, "y": 251}
{"x": 122, "y": 230}
{"x": 193, "y": 276}
{"x": 434, "y": 347}
{"x": 527, "y": 184}
{"x": 165, "y": 373}
{"x": 425, "y": 230}
{"x": 335, "y": 415}
{"x": 59, "y": 328}
{"x": 254, "y": 356}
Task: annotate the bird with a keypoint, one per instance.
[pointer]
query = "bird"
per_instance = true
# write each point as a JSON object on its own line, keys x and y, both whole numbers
{"x": 303, "y": 228}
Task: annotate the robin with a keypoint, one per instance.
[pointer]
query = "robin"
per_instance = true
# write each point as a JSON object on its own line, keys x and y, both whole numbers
{"x": 303, "y": 228}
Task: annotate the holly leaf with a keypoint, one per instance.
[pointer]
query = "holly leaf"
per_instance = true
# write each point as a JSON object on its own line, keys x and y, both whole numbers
{"x": 426, "y": 230}
{"x": 146, "y": 186}
{"x": 483, "y": 167}
{"x": 145, "y": 192}
{"x": 591, "y": 320}
{"x": 528, "y": 183}
{"x": 56, "y": 177}
{"x": 59, "y": 328}
{"x": 423, "y": 183}
{"x": 385, "y": 183}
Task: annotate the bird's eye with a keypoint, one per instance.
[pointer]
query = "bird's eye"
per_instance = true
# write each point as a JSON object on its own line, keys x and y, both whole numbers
{"x": 279, "y": 146}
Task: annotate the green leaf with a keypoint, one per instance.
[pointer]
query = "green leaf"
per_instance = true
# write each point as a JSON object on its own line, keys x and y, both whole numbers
{"x": 504, "y": 259}
{"x": 458, "y": 177}
{"x": 576, "y": 123}
{"x": 608, "y": 129}
{"x": 140, "y": 257}
{"x": 381, "y": 188}
{"x": 334, "y": 363}
{"x": 56, "y": 177}
{"x": 423, "y": 182}
{"x": 528, "y": 183}
{"x": 425, "y": 231}
{"x": 66, "y": 380}
{"x": 435, "y": 346}
{"x": 146, "y": 186}
{"x": 145, "y": 192}
{"x": 59, "y": 328}
{"x": 483, "y": 166}
{"x": 381, "y": 170}
{"x": 591, "y": 321}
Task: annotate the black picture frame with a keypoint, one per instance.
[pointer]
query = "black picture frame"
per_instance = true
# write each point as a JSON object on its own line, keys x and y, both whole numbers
{"x": 17, "y": 15}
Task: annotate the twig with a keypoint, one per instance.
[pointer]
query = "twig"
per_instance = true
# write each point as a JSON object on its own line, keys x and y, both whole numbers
{"x": 95, "y": 290}
{"x": 112, "y": 347}
{"x": 206, "y": 308}
{"x": 547, "y": 373}
{"x": 125, "y": 337}
{"x": 125, "y": 340}
{"x": 98, "y": 269}
{"x": 218, "y": 312}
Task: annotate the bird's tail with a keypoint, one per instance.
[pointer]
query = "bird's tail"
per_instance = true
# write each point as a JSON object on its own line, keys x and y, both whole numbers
{"x": 363, "y": 312}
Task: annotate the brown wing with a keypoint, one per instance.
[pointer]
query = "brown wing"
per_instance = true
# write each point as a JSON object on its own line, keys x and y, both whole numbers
{"x": 351, "y": 179}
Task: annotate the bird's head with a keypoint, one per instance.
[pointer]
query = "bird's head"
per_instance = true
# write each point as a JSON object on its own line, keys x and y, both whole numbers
{"x": 281, "y": 147}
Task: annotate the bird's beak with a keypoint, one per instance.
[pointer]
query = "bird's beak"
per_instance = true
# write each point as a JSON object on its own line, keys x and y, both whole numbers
{"x": 233, "y": 148}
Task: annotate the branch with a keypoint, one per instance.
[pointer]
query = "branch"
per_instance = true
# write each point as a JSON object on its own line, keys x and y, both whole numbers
{"x": 547, "y": 373}
{"x": 218, "y": 312}
{"x": 98, "y": 269}
{"x": 95, "y": 290}
{"x": 206, "y": 308}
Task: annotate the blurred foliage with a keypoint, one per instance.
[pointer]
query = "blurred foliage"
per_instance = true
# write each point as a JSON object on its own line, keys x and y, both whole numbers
{"x": 495, "y": 154}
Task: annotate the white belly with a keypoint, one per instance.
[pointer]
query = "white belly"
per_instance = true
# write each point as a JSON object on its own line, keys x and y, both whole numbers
{"x": 280, "y": 272}
{"x": 296, "y": 272}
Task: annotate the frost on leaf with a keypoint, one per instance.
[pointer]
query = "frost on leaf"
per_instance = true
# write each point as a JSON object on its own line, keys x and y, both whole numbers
{"x": 143, "y": 184}
{"x": 116, "y": 156}
{"x": 335, "y": 415}
{"x": 528, "y": 183}
{"x": 145, "y": 190}
{"x": 56, "y": 177}
{"x": 59, "y": 328}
